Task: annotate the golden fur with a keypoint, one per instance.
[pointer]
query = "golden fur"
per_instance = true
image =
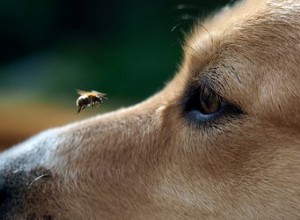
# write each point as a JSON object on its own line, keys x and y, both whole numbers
{"x": 150, "y": 162}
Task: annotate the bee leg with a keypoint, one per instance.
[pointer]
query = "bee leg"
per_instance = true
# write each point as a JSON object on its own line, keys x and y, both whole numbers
{"x": 80, "y": 108}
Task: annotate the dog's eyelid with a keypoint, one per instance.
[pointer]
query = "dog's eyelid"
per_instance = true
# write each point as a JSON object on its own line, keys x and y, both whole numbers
{"x": 211, "y": 84}
{"x": 219, "y": 74}
{"x": 218, "y": 88}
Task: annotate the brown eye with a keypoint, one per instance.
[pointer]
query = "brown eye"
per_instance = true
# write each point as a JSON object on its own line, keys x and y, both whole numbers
{"x": 203, "y": 105}
{"x": 209, "y": 101}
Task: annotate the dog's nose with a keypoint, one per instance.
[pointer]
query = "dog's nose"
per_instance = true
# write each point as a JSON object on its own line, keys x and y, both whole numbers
{"x": 3, "y": 191}
{"x": 4, "y": 199}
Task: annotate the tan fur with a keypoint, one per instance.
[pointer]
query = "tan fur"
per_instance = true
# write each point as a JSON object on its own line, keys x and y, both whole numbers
{"x": 149, "y": 162}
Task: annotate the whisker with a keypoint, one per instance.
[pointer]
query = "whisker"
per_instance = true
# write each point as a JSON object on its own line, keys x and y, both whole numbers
{"x": 193, "y": 49}
{"x": 38, "y": 178}
{"x": 202, "y": 26}
{"x": 177, "y": 25}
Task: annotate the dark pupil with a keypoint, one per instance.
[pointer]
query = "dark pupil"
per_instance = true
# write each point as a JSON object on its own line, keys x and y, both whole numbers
{"x": 209, "y": 101}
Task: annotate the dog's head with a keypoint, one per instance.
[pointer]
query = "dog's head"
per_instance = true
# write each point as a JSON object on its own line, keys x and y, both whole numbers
{"x": 222, "y": 140}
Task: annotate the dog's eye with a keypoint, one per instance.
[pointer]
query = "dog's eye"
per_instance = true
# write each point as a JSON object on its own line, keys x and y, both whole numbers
{"x": 209, "y": 101}
{"x": 204, "y": 105}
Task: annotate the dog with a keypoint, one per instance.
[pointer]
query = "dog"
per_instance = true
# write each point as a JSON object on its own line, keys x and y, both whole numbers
{"x": 220, "y": 141}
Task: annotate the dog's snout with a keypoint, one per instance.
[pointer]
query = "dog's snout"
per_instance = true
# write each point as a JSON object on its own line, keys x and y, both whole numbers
{"x": 5, "y": 196}
{"x": 3, "y": 191}
{"x": 16, "y": 185}
{"x": 11, "y": 188}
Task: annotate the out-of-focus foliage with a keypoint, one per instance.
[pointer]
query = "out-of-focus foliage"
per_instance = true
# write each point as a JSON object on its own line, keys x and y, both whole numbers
{"x": 126, "y": 49}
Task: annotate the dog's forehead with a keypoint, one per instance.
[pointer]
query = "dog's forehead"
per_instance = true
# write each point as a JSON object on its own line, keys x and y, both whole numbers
{"x": 259, "y": 31}
{"x": 243, "y": 15}
{"x": 255, "y": 41}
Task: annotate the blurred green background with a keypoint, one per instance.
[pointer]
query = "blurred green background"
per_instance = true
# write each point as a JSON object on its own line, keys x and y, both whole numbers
{"x": 50, "y": 48}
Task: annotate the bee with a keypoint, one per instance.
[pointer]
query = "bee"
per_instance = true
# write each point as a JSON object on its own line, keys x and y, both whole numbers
{"x": 87, "y": 99}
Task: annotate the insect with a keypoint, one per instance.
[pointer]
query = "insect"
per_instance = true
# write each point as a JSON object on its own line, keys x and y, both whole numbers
{"x": 87, "y": 99}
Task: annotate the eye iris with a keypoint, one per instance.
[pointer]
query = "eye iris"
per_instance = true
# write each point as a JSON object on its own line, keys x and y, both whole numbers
{"x": 203, "y": 106}
{"x": 210, "y": 102}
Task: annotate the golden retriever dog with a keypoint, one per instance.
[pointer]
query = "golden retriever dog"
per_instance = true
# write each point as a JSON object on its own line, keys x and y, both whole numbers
{"x": 220, "y": 141}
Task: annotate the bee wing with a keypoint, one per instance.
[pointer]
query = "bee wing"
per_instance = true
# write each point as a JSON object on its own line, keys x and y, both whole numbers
{"x": 100, "y": 94}
{"x": 82, "y": 92}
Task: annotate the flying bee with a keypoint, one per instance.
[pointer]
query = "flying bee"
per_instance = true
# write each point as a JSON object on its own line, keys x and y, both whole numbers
{"x": 87, "y": 99}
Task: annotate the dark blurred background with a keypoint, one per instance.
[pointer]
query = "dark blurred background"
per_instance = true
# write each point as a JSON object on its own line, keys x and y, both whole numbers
{"x": 49, "y": 48}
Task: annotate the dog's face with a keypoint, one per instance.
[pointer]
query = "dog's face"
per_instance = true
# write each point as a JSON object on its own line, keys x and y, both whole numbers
{"x": 222, "y": 140}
